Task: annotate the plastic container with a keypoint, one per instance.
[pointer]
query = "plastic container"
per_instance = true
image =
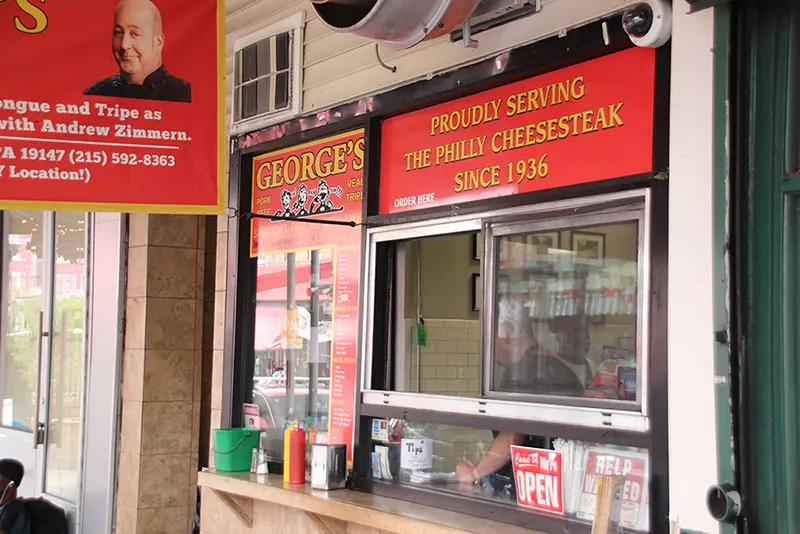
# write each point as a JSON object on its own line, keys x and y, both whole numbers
{"x": 233, "y": 448}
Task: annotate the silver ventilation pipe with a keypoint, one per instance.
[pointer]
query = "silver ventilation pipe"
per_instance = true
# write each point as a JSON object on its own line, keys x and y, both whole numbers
{"x": 400, "y": 24}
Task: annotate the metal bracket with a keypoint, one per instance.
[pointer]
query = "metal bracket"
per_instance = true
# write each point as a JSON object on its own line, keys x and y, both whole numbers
{"x": 469, "y": 42}
{"x": 351, "y": 224}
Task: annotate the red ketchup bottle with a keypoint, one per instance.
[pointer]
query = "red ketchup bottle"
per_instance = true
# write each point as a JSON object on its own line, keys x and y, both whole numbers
{"x": 297, "y": 456}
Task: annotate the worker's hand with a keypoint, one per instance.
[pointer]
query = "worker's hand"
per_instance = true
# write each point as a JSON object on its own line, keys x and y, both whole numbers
{"x": 466, "y": 473}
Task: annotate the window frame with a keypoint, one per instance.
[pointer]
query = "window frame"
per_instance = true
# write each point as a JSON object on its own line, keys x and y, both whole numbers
{"x": 602, "y": 416}
{"x": 294, "y": 25}
{"x": 569, "y": 223}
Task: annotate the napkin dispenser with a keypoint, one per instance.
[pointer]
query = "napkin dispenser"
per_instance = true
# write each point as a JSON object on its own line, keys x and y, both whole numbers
{"x": 328, "y": 466}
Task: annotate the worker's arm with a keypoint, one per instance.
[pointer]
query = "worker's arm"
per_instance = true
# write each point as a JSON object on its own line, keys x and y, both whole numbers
{"x": 496, "y": 457}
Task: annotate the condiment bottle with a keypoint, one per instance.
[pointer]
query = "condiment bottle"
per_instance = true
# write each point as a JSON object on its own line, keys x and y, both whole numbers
{"x": 297, "y": 456}
{"x": 286, "y": 450}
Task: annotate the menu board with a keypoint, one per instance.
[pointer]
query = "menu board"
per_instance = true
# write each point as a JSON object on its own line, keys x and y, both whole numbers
{"x": 319, "y": 181}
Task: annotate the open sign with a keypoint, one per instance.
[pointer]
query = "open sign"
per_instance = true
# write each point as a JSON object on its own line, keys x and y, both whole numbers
{"x": 538, "y": 474}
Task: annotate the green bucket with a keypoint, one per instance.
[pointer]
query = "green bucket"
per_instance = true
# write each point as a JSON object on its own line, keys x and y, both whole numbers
{"x": 233, "y": 448}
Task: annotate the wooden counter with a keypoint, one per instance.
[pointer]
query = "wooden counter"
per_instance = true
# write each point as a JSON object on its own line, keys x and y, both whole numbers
{"x": 242, "y": 503}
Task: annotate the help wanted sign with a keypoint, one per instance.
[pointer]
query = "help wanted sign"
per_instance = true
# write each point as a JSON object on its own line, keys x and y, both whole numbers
{"x": 630, "y": 465}
{"x": 538, "y": 474}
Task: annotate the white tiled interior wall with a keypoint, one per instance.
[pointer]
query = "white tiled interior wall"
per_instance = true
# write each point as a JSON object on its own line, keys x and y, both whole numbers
{"x": 448, "y": 361}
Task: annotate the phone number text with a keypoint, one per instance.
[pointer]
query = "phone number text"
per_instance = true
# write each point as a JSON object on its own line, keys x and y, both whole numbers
{"x": 97, "y": 157}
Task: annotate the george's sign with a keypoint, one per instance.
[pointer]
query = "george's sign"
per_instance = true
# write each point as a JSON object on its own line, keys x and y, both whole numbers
{"x": 588, "y": 122}
{"x": 538, "y": 474}
{"x": 322, "y": 180}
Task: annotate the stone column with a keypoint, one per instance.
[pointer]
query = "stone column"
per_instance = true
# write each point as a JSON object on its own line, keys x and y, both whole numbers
{"x": 162, "y": 374}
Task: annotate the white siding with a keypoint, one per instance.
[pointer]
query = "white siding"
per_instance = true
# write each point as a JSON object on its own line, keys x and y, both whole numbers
{"x": 692, "y": 420}
{"x": 340, "y": 67}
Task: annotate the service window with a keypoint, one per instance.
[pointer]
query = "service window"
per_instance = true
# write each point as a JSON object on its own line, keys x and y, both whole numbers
{"x": 566, "y": 298}
{"x": 507, "y": 357}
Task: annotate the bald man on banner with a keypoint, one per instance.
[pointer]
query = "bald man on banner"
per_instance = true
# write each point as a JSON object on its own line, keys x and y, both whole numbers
{"x": 137, "y": 44}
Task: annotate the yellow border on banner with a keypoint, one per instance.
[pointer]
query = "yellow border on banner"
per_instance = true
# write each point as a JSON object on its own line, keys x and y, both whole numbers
{"x": 180, "y": 209}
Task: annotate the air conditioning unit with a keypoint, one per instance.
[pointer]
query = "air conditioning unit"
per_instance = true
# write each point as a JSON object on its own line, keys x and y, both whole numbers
{"x": 400, "y": 24}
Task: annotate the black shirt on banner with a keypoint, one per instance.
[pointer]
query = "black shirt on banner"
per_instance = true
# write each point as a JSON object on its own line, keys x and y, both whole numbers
{"x": 160, "y": 85}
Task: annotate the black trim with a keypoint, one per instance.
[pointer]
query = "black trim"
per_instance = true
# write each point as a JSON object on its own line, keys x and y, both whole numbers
{"x": 372, "y": 171}
{"x": 382, "y": 377}
{"x": 661, "y": 109}
{"x": 240, "y": 304}
{"x": 658, "y": 399}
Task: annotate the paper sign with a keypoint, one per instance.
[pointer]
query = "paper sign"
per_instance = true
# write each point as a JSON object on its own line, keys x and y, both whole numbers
{"x": 633, "y": 467}
{"x": 380, "y": 430}
{"x": 539, "y": 477}
{"x": 251, "y": 416}
{"x": 416, "y": 454}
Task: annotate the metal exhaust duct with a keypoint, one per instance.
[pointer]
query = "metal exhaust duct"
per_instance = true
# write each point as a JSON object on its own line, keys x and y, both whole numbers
{"x": 400, "y": 24}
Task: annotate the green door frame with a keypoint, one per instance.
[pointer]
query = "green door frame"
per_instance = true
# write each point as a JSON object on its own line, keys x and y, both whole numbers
{"x": 724, "y": 55}
{"x": 767, "y": 212}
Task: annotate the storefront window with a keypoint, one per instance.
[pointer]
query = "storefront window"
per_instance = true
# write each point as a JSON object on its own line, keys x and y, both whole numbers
{"x": 67, "y": 356}
{"x": 437, "y": 336}
{"x": 22, "y": 302}
{"x": 294, "y": 308}
{"x": 561, "y": 478}
{"x": 302, "y": 295}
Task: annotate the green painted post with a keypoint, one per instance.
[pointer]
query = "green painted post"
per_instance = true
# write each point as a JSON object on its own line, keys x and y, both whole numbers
{"x": 723, "y": 55}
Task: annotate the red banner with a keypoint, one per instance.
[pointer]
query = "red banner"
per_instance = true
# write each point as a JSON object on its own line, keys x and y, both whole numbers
{"x": 588, "y": 122}
{"x": 112, "y": 106}
{"x": 630, "y": 465}
{"x": 322, "y": 180}
{"x": 538, "y": 474}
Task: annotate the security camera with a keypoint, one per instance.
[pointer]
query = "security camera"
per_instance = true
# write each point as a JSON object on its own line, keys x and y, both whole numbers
{"x": 648, "y": 24}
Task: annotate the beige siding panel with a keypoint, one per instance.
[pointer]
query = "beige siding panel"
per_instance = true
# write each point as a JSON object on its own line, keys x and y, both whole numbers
{"x": 356, "y": 72}
{"x": 330, "y": 45}
{"x": 315, "y": 28}
{"x": 232, "y": 6}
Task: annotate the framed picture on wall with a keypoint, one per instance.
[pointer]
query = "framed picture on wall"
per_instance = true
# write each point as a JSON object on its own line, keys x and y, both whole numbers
{"x": 544, "y": 242}
{"x": 476, "y": 292}
{"x": 477, "y": 246}
{"x": 588, "y": 246}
